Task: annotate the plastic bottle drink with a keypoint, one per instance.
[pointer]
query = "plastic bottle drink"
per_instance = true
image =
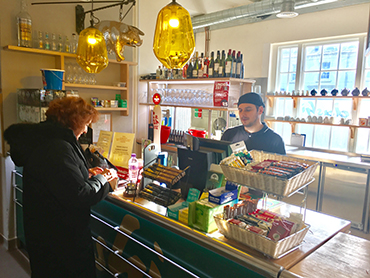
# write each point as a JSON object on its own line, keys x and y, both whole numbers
{"x": 133, "y": 168}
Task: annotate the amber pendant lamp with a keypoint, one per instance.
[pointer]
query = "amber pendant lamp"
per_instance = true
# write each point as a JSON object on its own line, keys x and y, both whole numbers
{"x": 174, "y": 42}
{"x": 92, "y": 53}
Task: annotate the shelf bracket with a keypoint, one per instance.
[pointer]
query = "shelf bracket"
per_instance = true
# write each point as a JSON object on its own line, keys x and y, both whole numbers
{"x": 352, "y": 131}
{"x": 294, "y": 102}
{"x": 292, "y": 125}
{"x": 271, "y": 101}
{"x": 355, "y": 103}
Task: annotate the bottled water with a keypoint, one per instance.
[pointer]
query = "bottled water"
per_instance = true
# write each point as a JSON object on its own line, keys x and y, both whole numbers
{"x": 133, "y": 168}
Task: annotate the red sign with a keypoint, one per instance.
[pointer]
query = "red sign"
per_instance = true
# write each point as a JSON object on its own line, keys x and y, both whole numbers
{"x": 157, "y": 99}
{"x": 221, "y": 93}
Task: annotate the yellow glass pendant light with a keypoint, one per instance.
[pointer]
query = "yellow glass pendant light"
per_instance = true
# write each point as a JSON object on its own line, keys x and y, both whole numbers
{"x": 92, "y": 53}
{"x": 174, "y": 42}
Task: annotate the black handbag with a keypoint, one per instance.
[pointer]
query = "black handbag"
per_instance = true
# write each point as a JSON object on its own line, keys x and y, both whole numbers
{"x": 95, "y": 159}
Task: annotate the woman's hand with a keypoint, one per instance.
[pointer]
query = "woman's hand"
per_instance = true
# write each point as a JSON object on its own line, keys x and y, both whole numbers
{"x": 95, "y": 171}
{"x": 111, "y": 176}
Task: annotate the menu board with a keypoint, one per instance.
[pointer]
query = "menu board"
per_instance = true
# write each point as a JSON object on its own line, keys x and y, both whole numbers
{"x": 121, "y": 148}
{"x": 104, "y": 142}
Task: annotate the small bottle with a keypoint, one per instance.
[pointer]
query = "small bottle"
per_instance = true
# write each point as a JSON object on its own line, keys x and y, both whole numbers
{"x": 67, "y": 45}
{"x": 53, "y": 42}
{"x": 133, "y": 168}
{"x": 40, "y": 40}
{"x": 24, "y": 26}
{"x": 47, "y": 41}
{"x": 74, "y": 43}
{"x": 60, "y": 47}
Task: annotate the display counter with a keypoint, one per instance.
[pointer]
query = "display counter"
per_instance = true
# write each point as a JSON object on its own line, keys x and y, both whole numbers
{"x": 139, "y": 234}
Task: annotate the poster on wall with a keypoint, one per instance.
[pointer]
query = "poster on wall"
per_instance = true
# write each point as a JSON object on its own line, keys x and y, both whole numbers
{"x": 103, "y": 124}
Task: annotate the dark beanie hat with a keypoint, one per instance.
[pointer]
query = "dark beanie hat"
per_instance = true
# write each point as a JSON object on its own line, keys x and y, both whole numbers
{"x": 252, "y": 98}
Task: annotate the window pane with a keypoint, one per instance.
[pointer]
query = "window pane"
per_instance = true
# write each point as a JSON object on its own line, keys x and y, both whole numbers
{"x": 362, "y": 139}
{"x": 312, "y": 58}
{"x": 340, "y": 137}
{"x": 328, "y": 80}
{"x": 330, "y": 56}
{"x": 367, "y": 64}
{"x": 291, "y": 84}
{"x": 284, "y": 60}
{"x": 306, "y": 108}
{"x": 283, "y": 82}
{"x": 346, "y": 79}
{"x": 324, "y": 107}
{"x": 363, "y": 111}
{"x": 367, "y": 78}
{"x": 342, "y": 108}
{"x": 321, "y": 137}
{"x": 308, "y": 130}
{"x": 293, "y": 59}
{"x": 348, "y": 55}
{"x": 311, "y": 80}
{"x": 288, "y": 107}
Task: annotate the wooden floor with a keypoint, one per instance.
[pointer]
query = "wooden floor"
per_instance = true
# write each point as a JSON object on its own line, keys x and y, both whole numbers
{"x": 13, "y": 264}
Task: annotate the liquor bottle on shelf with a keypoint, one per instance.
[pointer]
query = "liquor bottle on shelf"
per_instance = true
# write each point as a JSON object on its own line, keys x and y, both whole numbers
{"x": 241, "y": 67}
{"x": 74, "y": 43}
{"x": 217, "y": 64}
{"x": 200, "y": 66}
{"x": 47, "y": 41}
{"x": 238, "y": 65}
{"x": 228, "y": 64}
{"x": 221, "y": 69}
{"x": 233, "y": 70}
{"x": 67, "y": 45}
{"x": 24, "y": 26}
{"x": 40, "y": 40}
{"x": 189, "y": 70}
{"x": 53, "y": 42}
{"x": 206, "y": 67}
{"x": 211, "y": 65}
{"x": 60, "y": 43}
{"x": 158, "y": 73}
{"x": 195, "y": 65}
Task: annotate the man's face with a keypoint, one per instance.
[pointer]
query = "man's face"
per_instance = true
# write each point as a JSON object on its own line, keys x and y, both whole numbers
{"x": 249, "y": 114}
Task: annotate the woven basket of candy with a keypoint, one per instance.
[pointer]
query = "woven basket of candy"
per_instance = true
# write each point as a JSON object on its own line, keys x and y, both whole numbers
{"x": 272, "y": 248}
{"x": 272, "y": 173}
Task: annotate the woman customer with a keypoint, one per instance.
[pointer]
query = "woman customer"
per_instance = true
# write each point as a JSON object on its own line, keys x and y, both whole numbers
{"x": 57, "y": 189}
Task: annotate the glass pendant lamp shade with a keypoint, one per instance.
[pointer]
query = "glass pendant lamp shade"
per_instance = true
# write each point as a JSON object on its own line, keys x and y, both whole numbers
{"x": 92, "y": 53}
{"x": 174, "y": 41}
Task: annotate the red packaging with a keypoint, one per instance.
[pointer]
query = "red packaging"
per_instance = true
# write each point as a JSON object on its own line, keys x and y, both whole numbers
{"x": 221, "y": 93}
{"x": 280, "y": 229}
{"x": 262, "y": 165}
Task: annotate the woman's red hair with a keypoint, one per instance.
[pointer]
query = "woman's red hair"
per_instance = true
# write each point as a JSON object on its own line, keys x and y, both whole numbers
{"x": 71, "y": 112}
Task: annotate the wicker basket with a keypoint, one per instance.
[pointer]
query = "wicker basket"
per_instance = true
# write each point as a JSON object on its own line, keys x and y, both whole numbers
{"x": 267, "y": 183}
{"x": 259, "y": 242}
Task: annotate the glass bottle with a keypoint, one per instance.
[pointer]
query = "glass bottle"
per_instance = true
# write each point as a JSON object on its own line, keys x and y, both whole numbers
{"x": 233, "y": 69}
{"x": 40, "y": 40}
{"x": 200, "y": 66}
{"x": 206, "y": 67}
{"x": 53, "y": 42}
{"x": 195, "y": 65}
{"x": 211, "y": 65}
{"x": 189, "y": 70}
{"x": 47, "y": 41}
{"x": 217, "y": 64}
{"x": 74, "y": 43}
{"x": 241, "y": 67}
{"x": 221, "y": 69}
{"x": 67, "y": 45}
{"x": 24, "y": 26}
{"x": 158, "y": 73}
{"x": 228, "y": 64}
{"x": 60, "y": 47}
{"x": 238, "y": 65}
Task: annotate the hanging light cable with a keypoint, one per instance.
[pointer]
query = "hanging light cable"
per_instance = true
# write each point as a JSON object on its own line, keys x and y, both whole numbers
{"x": 174, "y": 42}
{"x": 92, "y": 53}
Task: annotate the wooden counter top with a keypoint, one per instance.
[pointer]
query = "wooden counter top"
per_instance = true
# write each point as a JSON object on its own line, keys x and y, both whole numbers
{"x": 342, "y": 256}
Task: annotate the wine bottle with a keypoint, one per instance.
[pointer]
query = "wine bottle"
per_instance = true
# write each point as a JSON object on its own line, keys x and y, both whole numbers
{"x": 195, "y": 65}
{"x": 221, "y": 69}
{"x": 189, "y": 70}
{"x": 217, "y": 64}
{"x": 238, "y": 65}
{"x": 228, "y": 64}
{"x": 241, "y": 67}
{"x": 233, "y": 70}
{"x": 211, "y": 65}
{"x": 206, "y": 67}
{"x": 200, "y": 66}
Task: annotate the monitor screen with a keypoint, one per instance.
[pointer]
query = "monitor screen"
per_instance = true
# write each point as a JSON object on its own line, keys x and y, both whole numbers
{"x": 219, "y": 148}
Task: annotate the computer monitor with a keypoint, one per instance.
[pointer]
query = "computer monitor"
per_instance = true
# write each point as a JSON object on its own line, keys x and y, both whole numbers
{"x": 220, "y": 149}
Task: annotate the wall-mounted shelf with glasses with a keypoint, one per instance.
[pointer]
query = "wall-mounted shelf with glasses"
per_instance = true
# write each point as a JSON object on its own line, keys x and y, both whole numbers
{"x": 60, "y": 63}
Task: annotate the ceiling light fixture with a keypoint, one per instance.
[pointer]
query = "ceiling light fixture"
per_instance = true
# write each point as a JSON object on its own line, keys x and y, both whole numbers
{"x": 92, "y": 53}
{"x": 173, "y": 43}
{"x": 287, "y": 10}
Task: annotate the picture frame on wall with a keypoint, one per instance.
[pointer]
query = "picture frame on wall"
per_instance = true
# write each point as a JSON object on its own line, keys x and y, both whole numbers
{"x": 104, "y": 123}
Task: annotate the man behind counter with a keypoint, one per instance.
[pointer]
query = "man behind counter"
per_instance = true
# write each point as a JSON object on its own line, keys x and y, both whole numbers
{"x": 256, "y": 134}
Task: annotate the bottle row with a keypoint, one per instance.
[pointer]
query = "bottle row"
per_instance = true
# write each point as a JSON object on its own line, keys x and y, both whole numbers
{"x": 42, "y": 40}
{"x": 203, "y": 67}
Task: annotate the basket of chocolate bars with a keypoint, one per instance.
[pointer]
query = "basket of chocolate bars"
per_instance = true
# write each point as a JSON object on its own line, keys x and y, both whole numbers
{"x": 264, "y": 231}
{"x": 272, "y": 173}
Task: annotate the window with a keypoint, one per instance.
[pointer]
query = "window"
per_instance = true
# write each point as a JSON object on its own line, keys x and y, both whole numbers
{"x": 329, "y": 64}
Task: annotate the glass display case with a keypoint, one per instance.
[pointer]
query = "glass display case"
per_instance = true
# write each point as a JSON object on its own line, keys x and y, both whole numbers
{"x": 33, "y": 103}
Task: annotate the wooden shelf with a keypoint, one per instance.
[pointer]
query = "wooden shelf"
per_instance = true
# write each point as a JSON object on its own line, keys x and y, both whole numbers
{"x": 293, "y": 124}
{"x": 197, "y": 80}
{"x": 102, "y": 87}
{"x": 194, "y": 106}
